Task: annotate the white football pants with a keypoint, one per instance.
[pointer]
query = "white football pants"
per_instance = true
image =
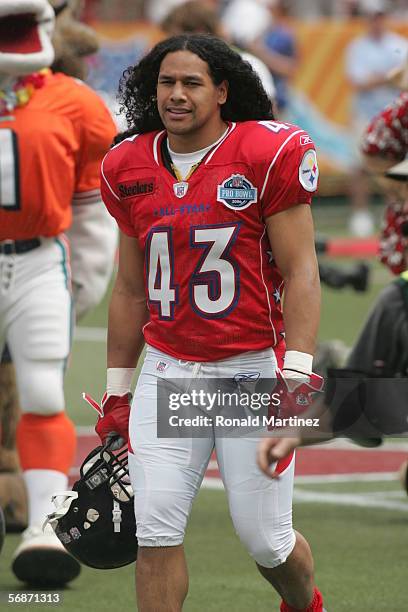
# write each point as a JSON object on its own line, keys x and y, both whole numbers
{"x": 36, "y": 322}
{"x": 166, "y": 473}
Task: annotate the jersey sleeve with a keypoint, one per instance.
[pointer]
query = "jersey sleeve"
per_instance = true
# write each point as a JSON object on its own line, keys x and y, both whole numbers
{"x": 111, "y": 198}
{"x": 96, "y": 136}
{"x": 291, "y": 177}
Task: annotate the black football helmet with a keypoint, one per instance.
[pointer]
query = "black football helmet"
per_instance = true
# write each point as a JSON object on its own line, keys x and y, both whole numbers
{"x": 95, "y": 521}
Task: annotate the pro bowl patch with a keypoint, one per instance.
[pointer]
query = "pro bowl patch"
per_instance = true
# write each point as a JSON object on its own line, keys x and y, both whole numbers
{"x": 309, "y": 171}
{"x": 237, "y": 192}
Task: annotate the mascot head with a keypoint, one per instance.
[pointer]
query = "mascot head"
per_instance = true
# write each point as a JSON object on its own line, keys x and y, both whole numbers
{"x": 26, "y": 28}
{"x": 73, "y": 41}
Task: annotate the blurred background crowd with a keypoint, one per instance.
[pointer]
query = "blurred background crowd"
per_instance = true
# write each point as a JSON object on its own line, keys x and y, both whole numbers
{"x": 327, "y": 64}
{"x": 304, "y": 9}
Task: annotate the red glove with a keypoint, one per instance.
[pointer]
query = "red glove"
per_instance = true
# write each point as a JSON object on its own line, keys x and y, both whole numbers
{"x": 295, "y": 395}
{"x": 113, "y": 420}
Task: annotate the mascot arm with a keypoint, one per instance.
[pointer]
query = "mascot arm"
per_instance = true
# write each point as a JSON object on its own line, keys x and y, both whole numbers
{"x": 93, "y": 240}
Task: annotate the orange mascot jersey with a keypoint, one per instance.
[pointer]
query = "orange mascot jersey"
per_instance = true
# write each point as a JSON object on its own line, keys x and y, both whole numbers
{"x": 50, "y": 151}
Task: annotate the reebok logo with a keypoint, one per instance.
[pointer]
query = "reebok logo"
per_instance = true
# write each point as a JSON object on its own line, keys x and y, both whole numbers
{"x": 305, "y": 140}
{"x": 131, "y": 189}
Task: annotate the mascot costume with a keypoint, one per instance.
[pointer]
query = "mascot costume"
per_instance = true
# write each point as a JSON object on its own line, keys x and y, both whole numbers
{"x": 57, "y": 247}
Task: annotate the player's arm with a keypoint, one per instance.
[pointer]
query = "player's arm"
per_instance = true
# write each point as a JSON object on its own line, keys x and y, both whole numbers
{"x": 278, "y": 63}
{"x": 370, "y": 82}
{"x": 93, "y": 234}
{"x": 274, "y": 448}
{"x": 127, "y": 310}
{"x": 127, "y": 316}
{"x": 359, "y": 78}
{"x": 291, "y": 235}
{"x": 93, "y": 242}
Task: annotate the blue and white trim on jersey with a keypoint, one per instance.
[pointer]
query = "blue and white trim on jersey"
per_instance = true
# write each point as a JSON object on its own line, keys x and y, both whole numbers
{"x": 129, "y": 139}
{"x": 266, "y": 287}
{"x": 273, "y": 162}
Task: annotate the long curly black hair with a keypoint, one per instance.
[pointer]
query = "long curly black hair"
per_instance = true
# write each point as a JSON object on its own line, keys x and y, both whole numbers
{"x": 247, "y": 99}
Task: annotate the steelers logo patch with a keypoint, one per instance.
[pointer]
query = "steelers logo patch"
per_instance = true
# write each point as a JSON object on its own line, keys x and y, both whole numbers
{"x": 309, "y": 171}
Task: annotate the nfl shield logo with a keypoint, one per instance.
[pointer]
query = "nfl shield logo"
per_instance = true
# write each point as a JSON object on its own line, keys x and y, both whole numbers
{"x": 180, "y": 189}
{"x": 161, "y": 366}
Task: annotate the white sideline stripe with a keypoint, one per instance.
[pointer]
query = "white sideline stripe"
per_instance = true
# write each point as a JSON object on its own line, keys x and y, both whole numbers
{"x": 335, "y": 478}
{"x": 348, "y": 499}
{"x": 299, "y": 480}
{"x": 344, "y": 444}
{"x": 353, "y": 477}
{"x": 340, "y": 499}
{"x": 390, "y": 494}
{"x": 212, "y": 483}
{"x": 85, "y": 430}
{"x": 90, "y": 334}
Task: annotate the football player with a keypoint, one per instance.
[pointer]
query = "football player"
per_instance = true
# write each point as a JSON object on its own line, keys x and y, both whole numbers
{"x": 53, "y": 133}
{"x": 212, "y": 197}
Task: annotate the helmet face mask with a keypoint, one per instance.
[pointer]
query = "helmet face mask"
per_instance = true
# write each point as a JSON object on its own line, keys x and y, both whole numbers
{"x": 95, "y": 521}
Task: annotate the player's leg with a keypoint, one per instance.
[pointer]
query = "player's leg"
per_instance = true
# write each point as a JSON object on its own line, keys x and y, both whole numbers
{"x": 261, "y": 508}
{"x": 38, "y": 334}
{"x": 166, "y": 474}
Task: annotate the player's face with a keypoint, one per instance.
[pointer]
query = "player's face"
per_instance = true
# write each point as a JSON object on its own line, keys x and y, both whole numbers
{"x": 188, "y": 101}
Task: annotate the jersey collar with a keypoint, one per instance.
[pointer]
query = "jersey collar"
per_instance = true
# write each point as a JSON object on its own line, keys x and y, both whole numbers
{"x": 162, "y": 157}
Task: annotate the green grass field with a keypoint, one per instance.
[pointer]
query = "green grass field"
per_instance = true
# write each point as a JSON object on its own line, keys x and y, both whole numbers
{"x": 360, "y": 552}
{"x": 360, "y": 561}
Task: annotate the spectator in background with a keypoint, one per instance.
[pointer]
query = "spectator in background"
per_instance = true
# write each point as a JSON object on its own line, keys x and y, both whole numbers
{"x": 158, "y": 10}
{"x": 195, "y": 17}
{"x": 277, "y": 48}
{"x": 384, "y": 143}
{"x": 369, "y": 60}
{"x": 245, "y": 20}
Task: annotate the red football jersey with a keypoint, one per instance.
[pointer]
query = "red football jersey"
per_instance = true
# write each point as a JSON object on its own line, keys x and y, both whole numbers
{"x": 213, "y": 289}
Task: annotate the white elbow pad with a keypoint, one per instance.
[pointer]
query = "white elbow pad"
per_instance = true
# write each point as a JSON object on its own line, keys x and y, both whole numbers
{"x": 93, "y": 239}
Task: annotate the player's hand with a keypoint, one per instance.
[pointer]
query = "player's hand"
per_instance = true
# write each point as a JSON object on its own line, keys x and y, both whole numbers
{"x": 113, "y": 419}
{"x": 271, "y": 450}
{"x": 295, "y": 392}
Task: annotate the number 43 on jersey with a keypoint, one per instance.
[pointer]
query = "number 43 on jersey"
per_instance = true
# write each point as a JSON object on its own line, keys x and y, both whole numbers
{"x": 214, "y": 284}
